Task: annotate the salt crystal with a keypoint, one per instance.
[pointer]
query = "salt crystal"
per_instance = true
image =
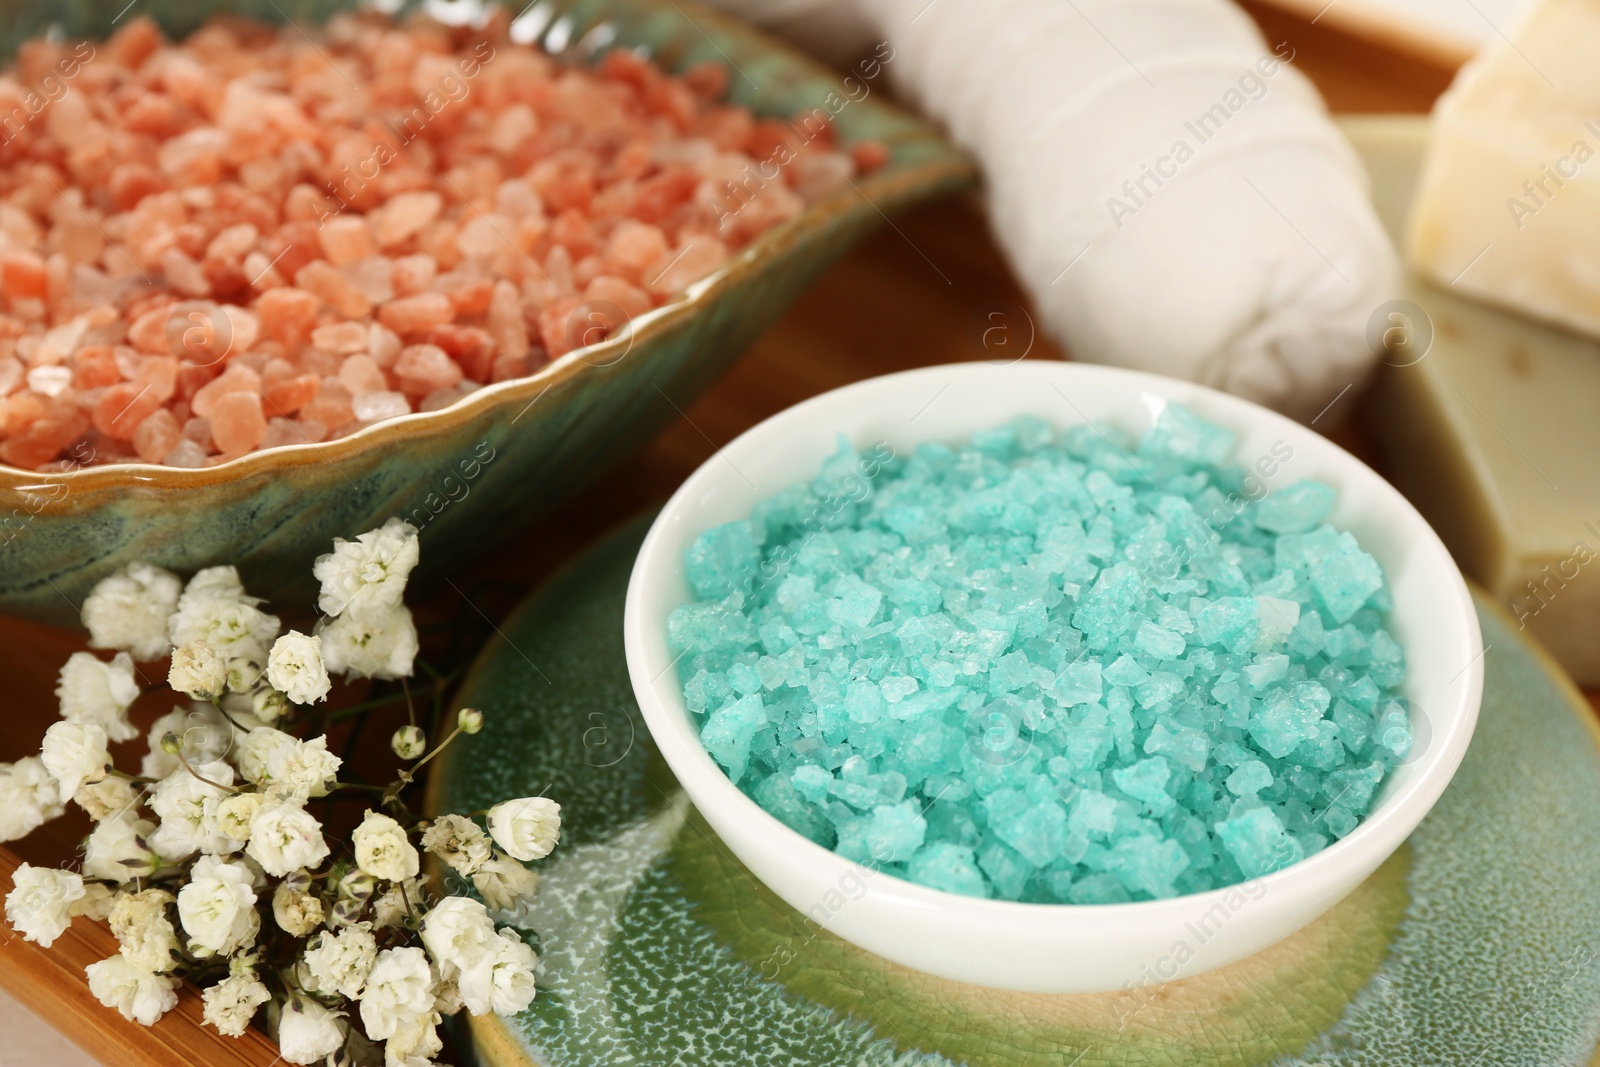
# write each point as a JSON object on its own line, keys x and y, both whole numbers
{"x": 186, "y": 453}
{"x": 49, "y": 380}
{"x": 404, "y": 215}
{"x": 1127, "y": 736}
{"x": 340, "y": 337}
{"x": 360, "y": 374}
{"x": 237, "y": 423}
{"x": 370, "y": 407}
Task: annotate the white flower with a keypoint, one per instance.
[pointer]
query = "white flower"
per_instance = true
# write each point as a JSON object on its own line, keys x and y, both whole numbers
{"x": 268, "y": 705}
{"x": 391, "y": 907}
{"x": 383, "y": 850}
{"x": 204, "y": 734}
{"x": 96, "y": 902}
{"x": 214, "y": 609}
{"x": 214, "y": 583}
{"x": 287, "y": 766}
{"x": 234, "y": 814}
{"x": 29, "y": 797}
{"x": 217, "y": 907}
{"x": 339, "y": 963}
{"x": 141, "y": 997}
{"x": 116, "y": 849}
{"x": 382, "y": 644}
{"x": 368, "y": 573}
{"x": 142, "y": 927}
{"x": 527, "y": 828}
{"x": 75, "y": 753}
{"x": 295, "y": 911}
{"x": 457, "y": 931}
{"x": 409, "y": 742}
{"x": 446, "y": 998}
{"x": 107, "y": 797}
{"x": 232, "y": 1003}
{"x": 308, "y": 1032}
{"x": 399, "y": 992}
{"x": 458, "y": 841}
{"x": 39, "y": 906}
{"x": 93, "y": 691}
{"x": 501, "y": 978}
{"x": 284, "y": 836}
{"x": 414, "y": 1044}
{"x": 128, "y": 610}
{"x": 505, "y": 884}
{"x": 295, "y": 667}
{"x": 188, "y": 809}
{"x": 199, "y": 669}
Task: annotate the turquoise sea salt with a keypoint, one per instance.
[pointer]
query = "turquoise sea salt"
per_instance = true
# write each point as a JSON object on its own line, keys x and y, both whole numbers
{"x": 1052, "y": 667}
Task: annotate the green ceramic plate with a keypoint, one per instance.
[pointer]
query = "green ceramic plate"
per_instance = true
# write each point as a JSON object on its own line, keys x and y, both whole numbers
{"x": 1477, "y": 944}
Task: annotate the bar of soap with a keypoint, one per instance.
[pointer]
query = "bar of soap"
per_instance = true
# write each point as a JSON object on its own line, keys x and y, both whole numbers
{"x": 1492, "y": 429}
{"x": 1509, "y": 197}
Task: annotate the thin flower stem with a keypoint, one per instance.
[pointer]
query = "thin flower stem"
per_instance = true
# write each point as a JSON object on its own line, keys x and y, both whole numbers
{"x": 133, "y": 777}
{"x": 383, "y": 701}
{"x": 184, "y": 763}
{"x": 231, "y": 720}
{"x": 411, "y": 711}
{"x": 440, "y": 747}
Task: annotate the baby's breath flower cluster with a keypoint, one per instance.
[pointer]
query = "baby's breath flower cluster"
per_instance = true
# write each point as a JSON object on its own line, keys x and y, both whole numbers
{"x": 207, "y": 864}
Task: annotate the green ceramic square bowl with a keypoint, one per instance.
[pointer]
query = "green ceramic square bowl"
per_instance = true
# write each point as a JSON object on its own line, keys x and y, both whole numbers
{"x": 501, "y": 455}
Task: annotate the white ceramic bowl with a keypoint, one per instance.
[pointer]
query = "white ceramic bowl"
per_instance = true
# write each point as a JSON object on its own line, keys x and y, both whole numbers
{"x": 1057, "y": 948}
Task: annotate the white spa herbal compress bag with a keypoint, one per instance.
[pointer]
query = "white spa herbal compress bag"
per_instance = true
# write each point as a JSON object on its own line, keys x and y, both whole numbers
{"x": 1166, "y": 185}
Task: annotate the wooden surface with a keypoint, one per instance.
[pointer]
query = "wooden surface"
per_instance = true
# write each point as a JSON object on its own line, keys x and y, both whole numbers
{"x": 931, "y": 288}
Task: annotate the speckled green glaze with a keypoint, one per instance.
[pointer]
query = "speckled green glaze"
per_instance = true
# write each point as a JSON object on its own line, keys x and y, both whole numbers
{"x": 1478, "y": 943}
{"x": 509, "y": 451}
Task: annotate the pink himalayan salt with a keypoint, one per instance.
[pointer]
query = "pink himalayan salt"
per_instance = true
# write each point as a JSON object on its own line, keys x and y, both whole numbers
{"x": 186, "y": 453}
{"x": 121, "y": 408}
{"x": 440, "y": 399}
{"x": 412, "y": 274}
{"x": 370, "y": 407}
{"x": 506, "y": 326}
{"x": 156, "y": 436}
{"x": 414, "y": 314}
{"x": 280, "y": 431}
{"x": 609, "y": 290}
{"x": 331, "y": 405}
{"x": 341, "y": 337}
{"x": 290, "y": 395}
{"x": 360, "y": 375}
{"x": 383, "y": 345}
{"x": 542, "y": 189}
{"x": 198, "y": 430}
{"x": 238, "y": 378}
{"x": 237, "y": 423}
{"x": 675, "y": 269}
{"x": 324, "y": 279}
{"x": 404, "y": 215}
{"x": 424, "y": 368}
{"x": 287, "y": 314}
{"x": 346, "y": 239}
{"x": 632, "y": 247}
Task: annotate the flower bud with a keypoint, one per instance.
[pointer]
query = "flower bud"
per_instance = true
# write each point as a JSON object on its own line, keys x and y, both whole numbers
{"x": 171, "y": 743}
{"x": 470, "y": 720}
{"x": 357, "y": 886}
{"x": 269, "y": 705}
{"x": 409, "y": 742}
{"x": 346, "y": 912}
